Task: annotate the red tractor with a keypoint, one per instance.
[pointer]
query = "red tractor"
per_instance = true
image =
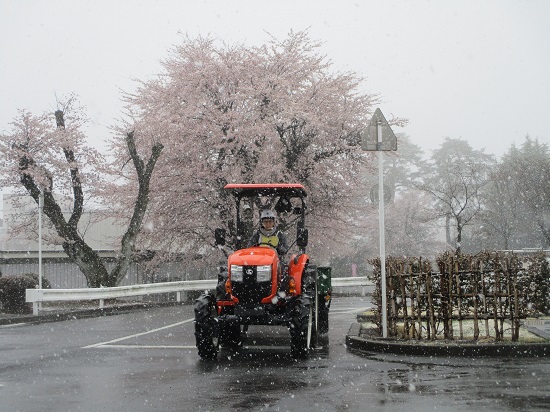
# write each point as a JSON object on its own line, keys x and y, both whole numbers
{"x": 259, "y": 287}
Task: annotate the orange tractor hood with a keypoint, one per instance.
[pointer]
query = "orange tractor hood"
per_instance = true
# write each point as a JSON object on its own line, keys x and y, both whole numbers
{"x": 254, "y": 256}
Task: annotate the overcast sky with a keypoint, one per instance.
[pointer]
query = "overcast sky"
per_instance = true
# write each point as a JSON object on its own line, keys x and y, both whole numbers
{"x": 477, "y": 70}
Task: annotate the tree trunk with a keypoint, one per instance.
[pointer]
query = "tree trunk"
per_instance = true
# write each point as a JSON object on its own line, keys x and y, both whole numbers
{"x": 144, "y": 173}
{"x": 448, "y": 229}
{"x": 88, "y": 260}
{"x": 459, "y": 228}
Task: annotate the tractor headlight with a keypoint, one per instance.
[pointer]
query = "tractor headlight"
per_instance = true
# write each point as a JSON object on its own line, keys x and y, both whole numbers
{"x": 236, "y": 273}
{"x": 263, "y": 273}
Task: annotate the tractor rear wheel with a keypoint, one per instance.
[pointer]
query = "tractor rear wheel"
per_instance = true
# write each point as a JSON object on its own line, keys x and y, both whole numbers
{"x": 301, "y": 328}
{"x": 322, "y": 315}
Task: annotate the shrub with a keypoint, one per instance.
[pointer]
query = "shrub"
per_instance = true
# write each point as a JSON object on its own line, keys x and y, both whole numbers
{"x": 34, "y": 276}
{"x": 12, "y": 292}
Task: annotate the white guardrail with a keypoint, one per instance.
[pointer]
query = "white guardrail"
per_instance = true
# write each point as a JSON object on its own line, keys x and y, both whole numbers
{"x": 36, "y": 296}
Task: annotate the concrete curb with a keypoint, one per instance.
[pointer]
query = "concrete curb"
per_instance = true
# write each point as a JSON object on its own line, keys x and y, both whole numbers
{"x": 56, "y": 316}
{"x": 367, "y": 346}
{"x": 540, "y": 327}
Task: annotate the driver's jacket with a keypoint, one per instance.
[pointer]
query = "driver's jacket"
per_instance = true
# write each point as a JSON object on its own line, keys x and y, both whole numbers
{"x": 272, "y": 240}
{"x": 277, "y": 240}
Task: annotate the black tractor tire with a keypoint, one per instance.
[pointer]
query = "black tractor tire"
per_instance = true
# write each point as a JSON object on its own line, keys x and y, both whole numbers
{"x": 308, "y": 280}
{"x": 206, "y": 330}
{"x": 319, "y": 304}
{"x": 301, "y": 328}
{"x": 322, "y": 315}
{"x": 231, "y": 336}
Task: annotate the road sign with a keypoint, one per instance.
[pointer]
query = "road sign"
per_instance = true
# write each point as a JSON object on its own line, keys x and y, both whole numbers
{"x": 370, "y": 138}
{"x": 374, "y": 194}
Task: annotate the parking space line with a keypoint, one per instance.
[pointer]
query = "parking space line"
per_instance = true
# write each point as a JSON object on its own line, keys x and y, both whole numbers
{"x": 95, "y": 345}
{"x": 112, "y": 343}
{"x": 147, "y": 346}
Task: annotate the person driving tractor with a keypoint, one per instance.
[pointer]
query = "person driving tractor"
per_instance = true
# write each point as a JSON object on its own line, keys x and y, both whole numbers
{"x": 268, "y": 234}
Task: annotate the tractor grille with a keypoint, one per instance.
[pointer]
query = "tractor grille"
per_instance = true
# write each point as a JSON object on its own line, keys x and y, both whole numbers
{"x": 250, "y": 291}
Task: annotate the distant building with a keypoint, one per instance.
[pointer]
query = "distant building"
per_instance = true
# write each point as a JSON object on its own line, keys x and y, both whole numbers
{"x": 19, "y": 254}
{"x": 99, "y": 233}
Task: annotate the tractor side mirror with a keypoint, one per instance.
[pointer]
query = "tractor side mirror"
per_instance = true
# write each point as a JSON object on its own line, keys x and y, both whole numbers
{"x": 219, "y": 234}
{"x": 283, "y": 205}
{"x": 302, "y": 237}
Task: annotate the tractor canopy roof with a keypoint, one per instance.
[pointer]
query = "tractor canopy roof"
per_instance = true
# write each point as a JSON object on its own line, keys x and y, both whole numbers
{"x": 267, "y": 189}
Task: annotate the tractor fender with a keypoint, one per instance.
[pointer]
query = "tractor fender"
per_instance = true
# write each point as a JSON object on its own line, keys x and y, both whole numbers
{"x": 296, "y": 268}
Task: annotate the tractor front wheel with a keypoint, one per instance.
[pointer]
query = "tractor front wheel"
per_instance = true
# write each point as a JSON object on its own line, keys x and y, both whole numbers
{"x": 206, "y": 330}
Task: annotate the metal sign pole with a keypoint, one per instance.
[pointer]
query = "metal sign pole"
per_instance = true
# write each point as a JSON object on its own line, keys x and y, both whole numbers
{"x": 382, "y": 231}
{"x": 380, "y": 137}
{"x": 40, "y": 207}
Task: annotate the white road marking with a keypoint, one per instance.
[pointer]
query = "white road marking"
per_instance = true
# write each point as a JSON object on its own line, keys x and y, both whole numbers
{"x": 95, "y": 345}
{"x": 146, "y": 347}
{"x": 247, "y": 347}
{"x": 266, "y": 347}
{"x": 112, "y": 343}
{"x": 11, "y": 325}
{"x": 285, "y": 348}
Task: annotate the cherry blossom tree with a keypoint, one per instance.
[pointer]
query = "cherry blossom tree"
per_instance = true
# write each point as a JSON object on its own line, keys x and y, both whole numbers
{"x": 231, "y": 113}
{"x": 219, "y": 114}
{"x": 48, "y": 156}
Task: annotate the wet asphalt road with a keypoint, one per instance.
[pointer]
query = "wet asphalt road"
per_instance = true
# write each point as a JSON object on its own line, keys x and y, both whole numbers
{"x": 146, "y": 361}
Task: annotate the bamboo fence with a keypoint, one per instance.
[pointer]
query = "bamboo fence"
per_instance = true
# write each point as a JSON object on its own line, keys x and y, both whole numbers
{"x": 490, "y": 292}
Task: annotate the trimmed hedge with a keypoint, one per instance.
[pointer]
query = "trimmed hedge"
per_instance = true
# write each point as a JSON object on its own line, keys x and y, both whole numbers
{"x": 500, "y": 286}
{"x": 12, "y": 292}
